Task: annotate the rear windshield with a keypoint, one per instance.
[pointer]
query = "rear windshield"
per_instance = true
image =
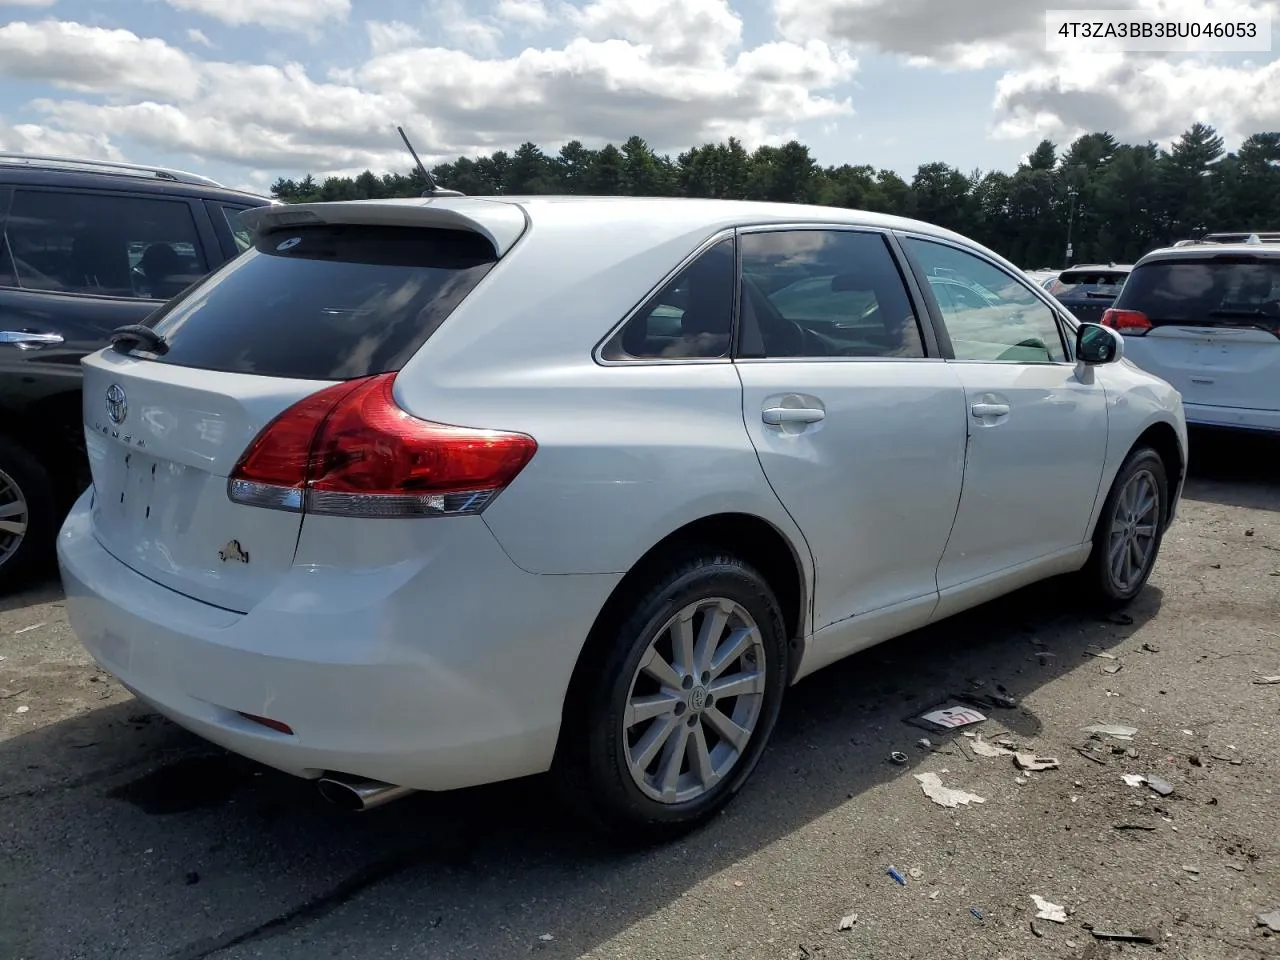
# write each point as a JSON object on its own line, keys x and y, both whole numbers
{"x": 1205, "y": 291}
{"x": 330, "y": 302}
{"x": 1083, "y": 283}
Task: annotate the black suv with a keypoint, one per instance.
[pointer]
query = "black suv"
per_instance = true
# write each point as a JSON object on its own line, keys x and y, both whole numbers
{"x": 85, "y": 247}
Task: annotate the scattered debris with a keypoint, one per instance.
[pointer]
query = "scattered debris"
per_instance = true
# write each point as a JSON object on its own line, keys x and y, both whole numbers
{"x": 1099, "y": 653}
{"x": 22, "y": 709}
{"x": 1135, "y": 826}
{"x": 1270, "y": 920}
{"x": 1261, "y": 681}
{"x": 1029, "y": 761}
{"x": 932, "y": 786}
{"x": 898, "y": 757}
{"x": 984, "y": 749}
{"x": 1150, "y": 648}
{"x": 1249, "y": 532}
{"x": 1049, "y": 911}
{"x": 1000, "y": 700}
{"x": 1090, "y": 754}
{"x": 1189, "y": 733}
{"x": 949, "y": 718}
{"x": 1195, "y": 761}
{"x": 1124, "y": 936}
{"x": 739, "y": 883}
{"x": 1162, "y": 787}
{"x": 546, "y": 938}
{"x": 924, "y": 743}
{"x": 1116, "y": 731}
{"x": 898, "y": 878}
{"x": 976, "y": 912}
{"x": 915, "y": 873}
{"x": 1133, "y": 779}
{"x": 848, "y": 923}
{"x": 1113, "y": 668}
{"x": 1191, "y": 869}
{"x": 934, "y": 895}
{"x": 1036, "y": 930}
{"x": 1235, "y": 866}
{"x": 34, "y": 626}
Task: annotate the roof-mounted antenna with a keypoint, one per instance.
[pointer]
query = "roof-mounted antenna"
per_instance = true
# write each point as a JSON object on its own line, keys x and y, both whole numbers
{"x": 433, "y": 189}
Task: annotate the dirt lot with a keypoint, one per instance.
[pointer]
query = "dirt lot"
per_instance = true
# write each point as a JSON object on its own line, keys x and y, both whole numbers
{"x": 122, "y": 836}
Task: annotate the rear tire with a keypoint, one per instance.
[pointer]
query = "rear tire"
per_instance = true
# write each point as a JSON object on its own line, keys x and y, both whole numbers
{"x": 1130, "y": 530}
{"x": 28, "y": 516}
{"x": 677, "y": 700}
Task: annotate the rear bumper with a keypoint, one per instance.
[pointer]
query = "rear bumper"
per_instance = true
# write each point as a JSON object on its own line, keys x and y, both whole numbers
{"x": 443, "y": 670}
{"x": 1237, "y": 418}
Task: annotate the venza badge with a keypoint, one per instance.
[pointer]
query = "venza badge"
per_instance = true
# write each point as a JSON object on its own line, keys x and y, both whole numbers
{"x": 117, "y": 405}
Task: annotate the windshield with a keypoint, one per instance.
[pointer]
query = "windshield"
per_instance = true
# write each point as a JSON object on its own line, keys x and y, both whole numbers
{"x": 1202, "y": 290}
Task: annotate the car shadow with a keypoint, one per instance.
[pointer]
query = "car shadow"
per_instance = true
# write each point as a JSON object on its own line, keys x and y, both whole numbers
{"x": 168, "y": 847}
{"x": 1234, "y": 469}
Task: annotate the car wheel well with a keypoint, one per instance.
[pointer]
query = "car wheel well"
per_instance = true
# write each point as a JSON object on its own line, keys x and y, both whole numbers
{"x": 1164, "y": 441}
{"x": 752, "y": 540}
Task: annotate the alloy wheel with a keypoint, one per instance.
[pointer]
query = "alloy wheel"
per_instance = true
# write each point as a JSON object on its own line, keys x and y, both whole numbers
{"x": 1134, "y": 526}
{"x": 14, "y": 517}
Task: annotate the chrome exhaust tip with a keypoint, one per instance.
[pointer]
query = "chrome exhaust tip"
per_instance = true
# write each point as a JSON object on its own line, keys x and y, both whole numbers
{"x": 360, "y": 795}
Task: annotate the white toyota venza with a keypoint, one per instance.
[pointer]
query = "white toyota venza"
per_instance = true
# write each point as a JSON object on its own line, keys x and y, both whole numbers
{"x": 423, "y": 494}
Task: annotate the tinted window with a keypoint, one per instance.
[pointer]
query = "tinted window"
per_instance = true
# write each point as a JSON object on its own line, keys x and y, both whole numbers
{"x": 243, "y": 236}
{"x": 824, "y": 293}
{"x": 691, "y": 316}
{"x": 327, "y": 302}
{"x": 103, "y": 245}
{"x": 1205, "y": 291}
{"x": 1089, "y": 283}
{"x": 988, "y": 314}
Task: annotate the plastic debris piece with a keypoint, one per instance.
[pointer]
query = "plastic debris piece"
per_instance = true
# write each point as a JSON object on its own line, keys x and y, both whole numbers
{"x": 22, "y": 709}
{"x": 899, "y": 878}
{"x": 934, "y": 895}
{"x": 1116, "y": 731}
{"x": 1162, "y": 787}
{"x": 848, "y": 923}
{"x": 1029, "y": 761}
{"x": 1150, "y": 648}
{"x": 1100, "y": 654}
{"x": 34, "y": 626}
{"x": 1089, "y": 754}
{"x": 932, "y": 786}
{"x": 984, "y": 749}
{"x": 924, "y": 743}
{"x": 898, "y": 757}
{"x": 1112, "y": 669}
{"x": 949, "y": 718}
{"x": 1261, "y": 681}
{"x": 976, "y": 912}
{"x": 1188, "y": 733}
{"x": 1020, "y": 781}
{"x": 546, "y": 938}
{"x": 1270, "y": 920}
{"x": 1049, "y": 911}
{"x": 1123, "y": 935}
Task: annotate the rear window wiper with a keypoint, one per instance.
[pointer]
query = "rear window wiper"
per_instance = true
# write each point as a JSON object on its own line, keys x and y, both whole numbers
{"x": 138, "y": 335}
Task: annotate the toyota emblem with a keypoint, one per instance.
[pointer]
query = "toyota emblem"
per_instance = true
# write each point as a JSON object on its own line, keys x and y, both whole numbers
{"x": 117, "y": 408}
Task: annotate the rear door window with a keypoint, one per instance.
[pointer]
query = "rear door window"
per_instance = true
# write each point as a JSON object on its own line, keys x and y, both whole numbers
{"x": 242, "y": 235}
{"x": 102, "y": 245}
{"x": 1214, "y": 291}
{"x": 331, "y": 302}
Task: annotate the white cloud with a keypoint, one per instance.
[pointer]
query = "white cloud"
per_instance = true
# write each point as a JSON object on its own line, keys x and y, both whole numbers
{"x": 35, "y": 139}
{"x": 688, "y": 32}
{"x": 27, "y": 3}
{"x": 387, "y": 36}
{"x": 94, "y": 60}
{"x": 528, "y": 13}
{"x": 198, "y": 36}
{"x": 479, "y": 35}
{"x": 298, "y": 15}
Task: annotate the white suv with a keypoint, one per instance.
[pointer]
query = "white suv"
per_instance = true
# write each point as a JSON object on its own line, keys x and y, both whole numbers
{"x": 429, "y": 493}
{"x": 1206, "y": 317}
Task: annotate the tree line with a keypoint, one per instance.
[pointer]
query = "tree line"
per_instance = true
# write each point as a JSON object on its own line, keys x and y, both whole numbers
{"x": 1116, "y": 201}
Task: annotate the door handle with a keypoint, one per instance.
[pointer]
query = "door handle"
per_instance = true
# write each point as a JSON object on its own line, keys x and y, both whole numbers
{"x": 779, "y": 415}
{"x": 990, "y": 409}
{"x": 26, "y": 340}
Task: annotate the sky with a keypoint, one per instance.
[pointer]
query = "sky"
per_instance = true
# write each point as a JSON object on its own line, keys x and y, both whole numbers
{"x": 246, "y": 91}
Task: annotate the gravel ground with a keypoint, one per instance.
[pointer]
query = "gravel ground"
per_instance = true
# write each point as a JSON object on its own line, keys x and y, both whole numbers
{"x": 124, "y": 837}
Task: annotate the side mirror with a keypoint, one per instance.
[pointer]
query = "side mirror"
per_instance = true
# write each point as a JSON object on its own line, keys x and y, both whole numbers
{"x": 1096, "y": 344}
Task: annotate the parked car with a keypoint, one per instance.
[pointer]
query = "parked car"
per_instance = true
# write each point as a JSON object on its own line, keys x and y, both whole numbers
{"x": 1087, "y": 291}
{"x": 85, "y": 247}
{"x": 1206, "y": 318}
{"x": 422, "y": 494}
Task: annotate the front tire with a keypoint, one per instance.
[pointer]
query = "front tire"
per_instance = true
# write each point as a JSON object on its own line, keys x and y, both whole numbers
{"x": 1130, "y": 530}
{"x": 673, "y": 713}
{"x": 28, "y": 516}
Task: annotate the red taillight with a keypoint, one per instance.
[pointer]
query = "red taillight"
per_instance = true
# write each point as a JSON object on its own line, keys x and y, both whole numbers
{"x": 1132, "y": 323}
{"x": 351, "y": 451}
